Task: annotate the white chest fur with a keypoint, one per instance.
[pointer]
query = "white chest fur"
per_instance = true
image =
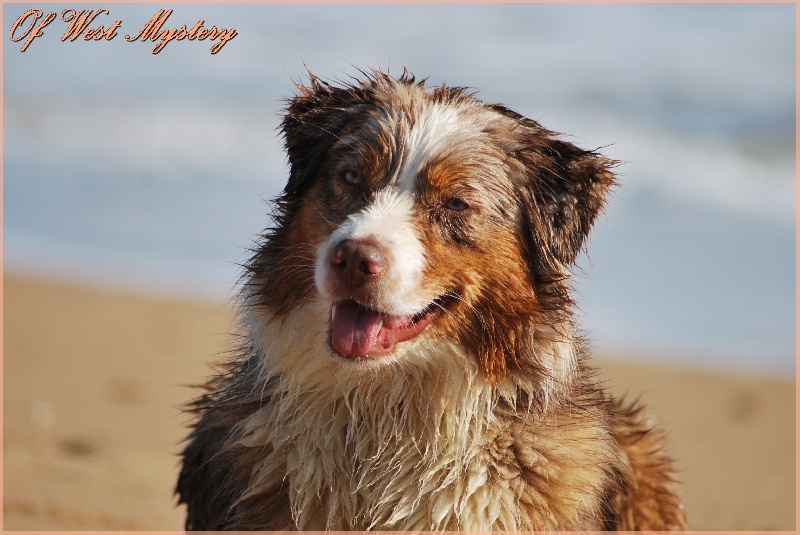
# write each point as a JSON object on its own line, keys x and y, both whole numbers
{"x": 416, "y": 443}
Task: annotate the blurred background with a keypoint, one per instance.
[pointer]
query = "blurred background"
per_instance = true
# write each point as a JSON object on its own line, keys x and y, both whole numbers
{"x": 151, "y": 173}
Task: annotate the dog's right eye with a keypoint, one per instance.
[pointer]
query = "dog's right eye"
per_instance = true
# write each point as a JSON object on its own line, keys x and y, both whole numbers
{"x": 351, "y": 177}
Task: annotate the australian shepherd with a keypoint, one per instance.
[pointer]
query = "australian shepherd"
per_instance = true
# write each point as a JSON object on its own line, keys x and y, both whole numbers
{"x": 409, "y": 356}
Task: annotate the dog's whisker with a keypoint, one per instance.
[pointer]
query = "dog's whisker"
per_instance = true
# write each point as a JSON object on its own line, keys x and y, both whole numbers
{"x": 319, "y": 212}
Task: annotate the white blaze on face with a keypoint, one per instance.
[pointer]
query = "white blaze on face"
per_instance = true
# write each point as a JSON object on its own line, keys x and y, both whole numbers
{"x": 428, "y": 137}
{"x": 388, "y": 219}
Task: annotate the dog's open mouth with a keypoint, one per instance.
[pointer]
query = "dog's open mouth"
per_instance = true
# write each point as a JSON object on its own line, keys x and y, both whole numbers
{"x": 360, "y": 332}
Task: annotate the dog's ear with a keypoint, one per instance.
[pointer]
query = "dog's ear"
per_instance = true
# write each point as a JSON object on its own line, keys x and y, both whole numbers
{"x": 563, "y": 192}
{"x": 313, "y": 122}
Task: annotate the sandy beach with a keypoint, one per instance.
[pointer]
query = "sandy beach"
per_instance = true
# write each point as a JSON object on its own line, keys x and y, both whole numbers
{"x": 95, "y": 380}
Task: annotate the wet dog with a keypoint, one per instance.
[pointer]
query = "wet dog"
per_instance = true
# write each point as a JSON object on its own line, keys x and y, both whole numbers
{"x": 409, "y": 354}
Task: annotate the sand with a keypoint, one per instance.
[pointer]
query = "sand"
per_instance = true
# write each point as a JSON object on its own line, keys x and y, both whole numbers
{"x": 95, "y": 380}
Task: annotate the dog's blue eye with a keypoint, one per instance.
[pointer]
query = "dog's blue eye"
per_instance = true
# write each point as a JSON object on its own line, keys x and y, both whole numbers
{"x": 456, "y": 205}
{"x": 352, "y": 177}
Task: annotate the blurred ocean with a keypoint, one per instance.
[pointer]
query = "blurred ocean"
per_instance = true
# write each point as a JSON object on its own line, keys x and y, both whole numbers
{"x": 152, "y": 172}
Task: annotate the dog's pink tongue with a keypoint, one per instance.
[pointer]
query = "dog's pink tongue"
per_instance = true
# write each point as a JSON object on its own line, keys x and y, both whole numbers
{"x": 355, "y": 330}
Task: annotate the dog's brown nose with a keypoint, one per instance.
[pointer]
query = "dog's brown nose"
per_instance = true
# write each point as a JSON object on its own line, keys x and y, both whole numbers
{"x": 357, "y": 261}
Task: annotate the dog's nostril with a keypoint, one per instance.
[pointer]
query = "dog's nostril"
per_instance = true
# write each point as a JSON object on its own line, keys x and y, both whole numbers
{"x": 339, "y": 255}
{"x": 373, "y": 261}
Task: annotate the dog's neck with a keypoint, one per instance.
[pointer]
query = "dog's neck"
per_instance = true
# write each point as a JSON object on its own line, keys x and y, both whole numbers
{"x": 420, "y": 422}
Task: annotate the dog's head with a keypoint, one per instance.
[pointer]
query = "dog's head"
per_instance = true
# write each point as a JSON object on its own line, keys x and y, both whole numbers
{"x": 426, "y": 213}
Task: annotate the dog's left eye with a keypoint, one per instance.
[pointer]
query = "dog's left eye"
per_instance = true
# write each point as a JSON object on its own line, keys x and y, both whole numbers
{"x": 456, "y": 205}
{"x": 351, "y": 177}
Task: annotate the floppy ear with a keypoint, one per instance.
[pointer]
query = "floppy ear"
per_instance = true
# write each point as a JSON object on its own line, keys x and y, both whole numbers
{"x": 564, "y": 191}
{"x": 313, "y": 122}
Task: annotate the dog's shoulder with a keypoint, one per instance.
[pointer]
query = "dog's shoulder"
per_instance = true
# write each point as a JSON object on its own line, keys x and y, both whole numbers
{"x": 647, "y": 498}
{"x": 594, "y": 462}
{"x": 217, "y": 468}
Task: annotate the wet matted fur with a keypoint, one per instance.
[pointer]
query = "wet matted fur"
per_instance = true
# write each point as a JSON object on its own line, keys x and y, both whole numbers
{"x": 445, "y": 385}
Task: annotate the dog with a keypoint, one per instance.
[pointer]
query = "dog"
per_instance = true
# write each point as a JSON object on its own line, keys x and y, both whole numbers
{"x": 409, "y": 355}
